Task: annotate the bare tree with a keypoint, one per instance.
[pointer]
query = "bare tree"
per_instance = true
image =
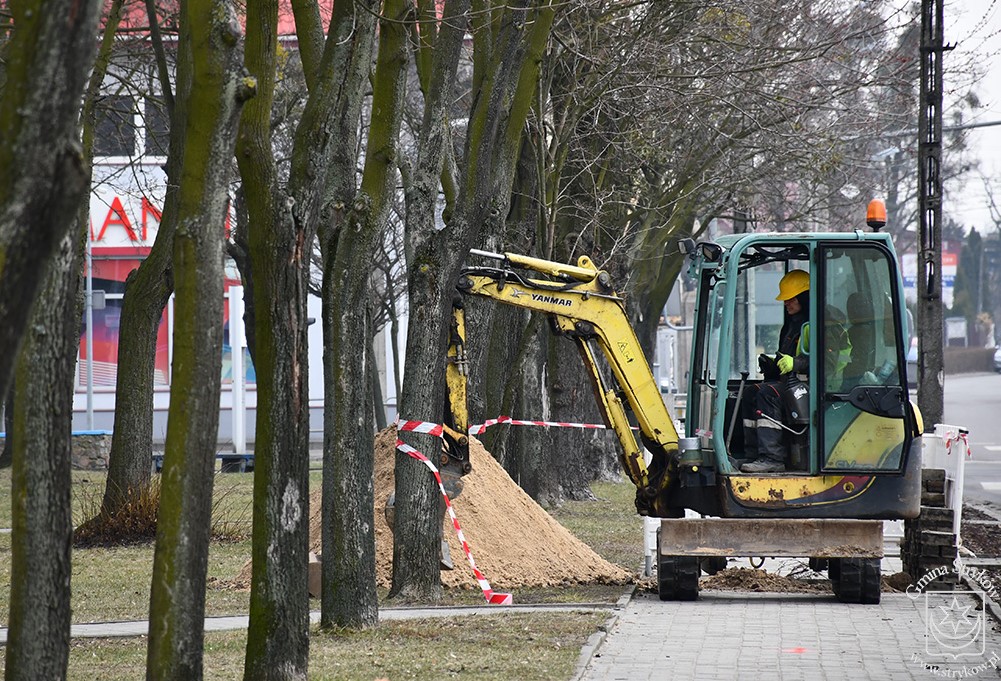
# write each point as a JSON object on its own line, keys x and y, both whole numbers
{"x": 349, "y": 241}
{"x": 41, "y": 176}
{"x": 147, "y": 290}
{"x": 655, "y": 119}
{"x": 42, "y": 179}
{"x": 218, "y": 89}
{"x": 508, "y": 43}
{"x": 42, "y": 525}
{"x": 283, "y": 221}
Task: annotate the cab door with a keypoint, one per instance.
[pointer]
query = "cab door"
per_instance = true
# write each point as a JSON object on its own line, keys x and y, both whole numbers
{"x": 863, "y": 410}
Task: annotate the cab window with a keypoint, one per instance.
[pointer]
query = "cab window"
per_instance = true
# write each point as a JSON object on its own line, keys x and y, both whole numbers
{"x": 859, "y": 357}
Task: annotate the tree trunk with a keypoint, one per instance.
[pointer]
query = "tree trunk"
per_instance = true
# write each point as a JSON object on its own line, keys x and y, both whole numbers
{"x": 147, "y": 290}
{"x": 41, "y": 173}
{"x": 431, "y": 270}
{"x": 282, "y": 228}
{"x": 497, "y": 344}
{"x": 375, "y": 387}
{"x": 38, "y": 644}
{"x": 349, "y": 596}
{"x": 417, "y": 531}
{"x": 501, "y": 102}
{"x": 579, "y": 456}
{"x": 528, "y": 447}
{"x": 177, "y": 600}
{"x": 277, "y": 638}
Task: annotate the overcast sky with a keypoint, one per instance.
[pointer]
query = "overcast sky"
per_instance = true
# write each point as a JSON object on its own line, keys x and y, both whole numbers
{"x": 974, "y": 27}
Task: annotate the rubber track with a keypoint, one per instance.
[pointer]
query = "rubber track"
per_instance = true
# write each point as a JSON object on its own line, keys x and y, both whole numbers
{"x": 678, "y": 578}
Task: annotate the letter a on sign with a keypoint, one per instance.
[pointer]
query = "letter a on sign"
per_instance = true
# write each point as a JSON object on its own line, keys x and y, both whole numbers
{"x": 116, "y": 216}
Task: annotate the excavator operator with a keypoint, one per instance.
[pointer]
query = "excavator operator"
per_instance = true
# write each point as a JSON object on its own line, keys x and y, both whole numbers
{"x": 762, "y": 407}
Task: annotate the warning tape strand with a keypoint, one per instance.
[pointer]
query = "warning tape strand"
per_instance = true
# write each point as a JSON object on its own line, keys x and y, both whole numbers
{"x": 478, "y": 429}
{"x": 420, "y": 427}
{"x": 960, "y": 437}
{"x": 489, "y": 594}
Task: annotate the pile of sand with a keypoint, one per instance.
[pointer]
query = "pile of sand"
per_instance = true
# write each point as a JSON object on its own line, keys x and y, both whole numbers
{"x": 514, "y": 541}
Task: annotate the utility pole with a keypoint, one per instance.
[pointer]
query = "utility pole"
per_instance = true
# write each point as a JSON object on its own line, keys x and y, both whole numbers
{"x": 931, "y": 375}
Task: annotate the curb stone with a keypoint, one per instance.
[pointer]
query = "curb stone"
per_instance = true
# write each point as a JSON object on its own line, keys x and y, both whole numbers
{"x": 595, "y": 640}
{"x": 988, "y": 603}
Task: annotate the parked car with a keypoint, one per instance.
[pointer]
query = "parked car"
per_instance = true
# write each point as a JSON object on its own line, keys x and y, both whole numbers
{"x": 997, "y": 360}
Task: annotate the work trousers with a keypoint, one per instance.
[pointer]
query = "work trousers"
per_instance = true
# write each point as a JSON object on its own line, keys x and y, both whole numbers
{"x": 763, "y": 437}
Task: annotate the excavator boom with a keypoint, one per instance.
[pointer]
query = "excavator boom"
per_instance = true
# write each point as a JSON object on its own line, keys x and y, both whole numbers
{"x": 583, "y": 307}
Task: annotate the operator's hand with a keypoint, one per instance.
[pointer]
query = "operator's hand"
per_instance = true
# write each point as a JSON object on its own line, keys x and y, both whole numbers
{"x": 784, "y": 363}
{"x": 767, "y": 366}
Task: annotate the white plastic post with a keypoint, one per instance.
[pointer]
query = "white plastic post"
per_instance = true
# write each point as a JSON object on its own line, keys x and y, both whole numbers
{"x": 238, "y": 341}
{"x": 953, "y": 460}
{"x": 89, "y": 307}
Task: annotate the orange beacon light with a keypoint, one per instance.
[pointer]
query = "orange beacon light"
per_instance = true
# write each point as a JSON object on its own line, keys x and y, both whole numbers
{"x": 875, "y": 215}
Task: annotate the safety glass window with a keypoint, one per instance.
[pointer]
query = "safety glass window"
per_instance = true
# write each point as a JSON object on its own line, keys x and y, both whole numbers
{"x": 863, "y": 401}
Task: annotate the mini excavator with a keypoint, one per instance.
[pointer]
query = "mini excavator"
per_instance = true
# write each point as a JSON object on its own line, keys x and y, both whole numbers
{"x": 854, "y": 453}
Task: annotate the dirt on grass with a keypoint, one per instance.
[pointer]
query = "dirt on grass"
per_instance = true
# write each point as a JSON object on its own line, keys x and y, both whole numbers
{"x": 514, "y": 541}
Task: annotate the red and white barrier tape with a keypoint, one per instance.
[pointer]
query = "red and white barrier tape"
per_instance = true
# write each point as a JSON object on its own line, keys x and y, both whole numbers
{"x": 480, "y": 428}
{"x": 488, "y": 593}
{"x": 420, "y": 427}
{"x": 960, "y": 437}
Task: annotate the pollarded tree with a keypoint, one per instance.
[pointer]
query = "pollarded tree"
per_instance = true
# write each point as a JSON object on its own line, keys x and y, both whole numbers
{"x": 218, "y": 90}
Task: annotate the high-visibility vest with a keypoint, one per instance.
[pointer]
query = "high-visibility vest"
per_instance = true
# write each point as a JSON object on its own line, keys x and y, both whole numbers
{"x": 837, "y": 357}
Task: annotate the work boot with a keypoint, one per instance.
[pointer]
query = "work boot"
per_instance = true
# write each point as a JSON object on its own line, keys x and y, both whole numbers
{"x": 763, "y": 466}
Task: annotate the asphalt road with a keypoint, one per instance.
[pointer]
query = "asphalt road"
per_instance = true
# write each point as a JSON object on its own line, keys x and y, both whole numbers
{"x": 974, "y": 401}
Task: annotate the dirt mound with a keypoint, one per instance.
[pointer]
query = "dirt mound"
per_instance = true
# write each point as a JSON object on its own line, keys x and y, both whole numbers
{"x": 514, "y": 541}
{"x": 750, "y": 579}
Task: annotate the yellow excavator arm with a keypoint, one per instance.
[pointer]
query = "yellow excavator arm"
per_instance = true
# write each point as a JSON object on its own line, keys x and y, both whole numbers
{"x": 582, "y": 306}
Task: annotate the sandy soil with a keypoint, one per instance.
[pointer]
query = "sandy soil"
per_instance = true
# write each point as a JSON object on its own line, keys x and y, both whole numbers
{"x": 514, "y": 541}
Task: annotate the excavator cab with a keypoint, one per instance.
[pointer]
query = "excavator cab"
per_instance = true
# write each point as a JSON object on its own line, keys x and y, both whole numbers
{"x": 851, "y": 435}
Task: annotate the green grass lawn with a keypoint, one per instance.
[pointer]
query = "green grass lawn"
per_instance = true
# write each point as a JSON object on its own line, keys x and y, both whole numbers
{"x": 110, "y": 584}
{"x": 511, "y": 647}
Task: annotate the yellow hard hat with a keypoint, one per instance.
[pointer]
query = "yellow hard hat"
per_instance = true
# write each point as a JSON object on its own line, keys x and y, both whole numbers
{"x": 792, "y": 284}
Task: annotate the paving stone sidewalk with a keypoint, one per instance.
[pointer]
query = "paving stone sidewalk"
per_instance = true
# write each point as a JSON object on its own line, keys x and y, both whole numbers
{"x": 789, "y": 636}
